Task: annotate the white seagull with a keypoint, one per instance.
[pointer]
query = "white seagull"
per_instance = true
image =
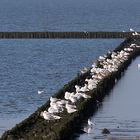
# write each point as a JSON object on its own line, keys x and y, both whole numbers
{"x": 90, "y": 123}
{"x": 84, "y": 70}
{"x": 131, "y": 30}
{"x": 48, "y": 116}
{"x": 40, "y": 91}
{"x": 89, "y": 127}
{"x": 70, "y": 108}
{"x": 138, "y": 65}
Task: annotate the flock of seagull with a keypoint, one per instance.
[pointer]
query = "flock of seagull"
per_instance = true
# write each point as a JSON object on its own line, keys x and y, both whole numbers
{"x": 106, "y": 66}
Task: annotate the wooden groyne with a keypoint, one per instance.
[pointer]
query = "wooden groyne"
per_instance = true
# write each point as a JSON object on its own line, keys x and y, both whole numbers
{"x": 64, "y": 35}
{"x": 36, "y": 128}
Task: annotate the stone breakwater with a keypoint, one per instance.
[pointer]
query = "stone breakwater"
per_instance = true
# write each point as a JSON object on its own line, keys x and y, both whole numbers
{"x": 62, "y": 115}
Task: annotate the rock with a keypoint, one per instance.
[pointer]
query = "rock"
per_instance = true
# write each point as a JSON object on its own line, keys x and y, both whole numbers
{"x": 105, "y": 131}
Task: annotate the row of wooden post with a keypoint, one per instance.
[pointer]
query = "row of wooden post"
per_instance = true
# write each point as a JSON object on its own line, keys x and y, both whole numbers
{"x": 63, "y": 35}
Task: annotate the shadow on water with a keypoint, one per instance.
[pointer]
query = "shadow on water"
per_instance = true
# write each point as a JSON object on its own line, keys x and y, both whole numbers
{"x": 119, "y": 112}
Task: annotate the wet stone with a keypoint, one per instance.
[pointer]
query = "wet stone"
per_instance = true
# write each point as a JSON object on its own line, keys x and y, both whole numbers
{"x": 105, "y": 131}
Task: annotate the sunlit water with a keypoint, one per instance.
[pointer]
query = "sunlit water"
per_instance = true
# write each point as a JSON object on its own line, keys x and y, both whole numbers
{"x": 120, "y": 110}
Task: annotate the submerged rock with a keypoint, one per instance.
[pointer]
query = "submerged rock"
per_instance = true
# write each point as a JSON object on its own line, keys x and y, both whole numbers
{"x": 105, "y": 131}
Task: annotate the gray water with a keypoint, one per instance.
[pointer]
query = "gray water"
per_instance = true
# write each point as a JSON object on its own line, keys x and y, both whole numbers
{"x": 120, "y": 110}
{"x": 29, "y": 65}
{"x": 69, "y": 15}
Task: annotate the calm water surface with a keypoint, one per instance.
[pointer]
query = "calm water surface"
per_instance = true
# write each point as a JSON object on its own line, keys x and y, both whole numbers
{"x": 69, "y": 15}
{"x": 120, "y": 110}
{"x": 29, "y": 65}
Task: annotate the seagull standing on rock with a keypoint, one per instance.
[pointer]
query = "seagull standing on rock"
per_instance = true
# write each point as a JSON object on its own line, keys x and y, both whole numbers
{"x": 48, "y": 116}
{"x": 89, "y": 127}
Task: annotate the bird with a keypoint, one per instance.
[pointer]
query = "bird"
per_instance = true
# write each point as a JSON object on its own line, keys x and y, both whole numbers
{"x": 87, "y": 129}
{"x": 133, "y": 45}
{"x": 40, "y": 91}
{"x": 116, "y": 80}
{"x": 52, "y": 99}
{"x": 85, "y": 96}
{"x": 61, "y": 102}
{"x": 101, "y": 58}
{"x": 131, "y": 30}
{"x": 78, "y": 96}
{"x": 70, "y": 108}
{"x": 91, "y": 86}
{"x": 135, "y": 33}
{"x": 84, "y": 70}
{"x": 73, "y": 99}
{"x": 55, "y": 109}
{"x": 48, "y": 116}
{"x": 90, "y": 123}
{"x": 77, "y": 88}
{"x": 68, "y": 95}
{"x": 138, "y": 65}
{"x": 84, "y": 88}
{"x": 137, "y": 46}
